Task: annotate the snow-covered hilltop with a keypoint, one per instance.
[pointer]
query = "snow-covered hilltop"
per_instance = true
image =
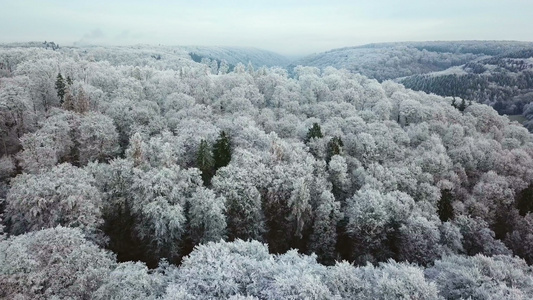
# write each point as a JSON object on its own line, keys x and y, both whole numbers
{"x": 394, "y": 60}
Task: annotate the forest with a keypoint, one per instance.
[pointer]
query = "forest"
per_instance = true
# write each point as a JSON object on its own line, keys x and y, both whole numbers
{"x": 140, "y": 173}
{"x": 496, "y": 73}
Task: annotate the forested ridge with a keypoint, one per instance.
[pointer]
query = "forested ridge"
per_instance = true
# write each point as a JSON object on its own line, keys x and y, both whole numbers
{"x": 128, "y": 175}
{"x": 504, "y": 82}
{"x": 496, "y": 73}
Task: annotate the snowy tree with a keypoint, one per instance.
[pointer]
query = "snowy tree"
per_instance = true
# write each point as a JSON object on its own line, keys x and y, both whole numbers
{"x": 98, "y": 138}
{"x": 64, "y": 196}
{"x": 245, "y": 218}
{"x": 205, "y": 162}
{"x": 367, "y": 223}
{"x": 206, "y": 216}
{"x": 159, "y": 199}
{"x": 219, "y": 270}
{"x": 132, "y": 280}
{"x": 338, "y": 176}
{"x": 54, "y": 142}
{"x": 324, "y": 237}
{"x": 419, "y": 241}
{"x": 15, "y": 112}
{"x": 300, "y": 206}
{"x": 390, "y": 280}
{"x": 482, "y": 277}
{"x": 55, "y": 263}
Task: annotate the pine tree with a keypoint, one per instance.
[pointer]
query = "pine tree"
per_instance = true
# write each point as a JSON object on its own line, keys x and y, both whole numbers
{"x": 462, "y": 106}
{"x": 334, "y": 148}
{"x": 524, "y": 200}
{"x": 314, "y": 132}
{"x": 69, "y": 80}
{"x": 444, "y": 206}
{"x": 222, "y": 151}
{"x": 60, "y": 88}
{"x": 205, "y": 162}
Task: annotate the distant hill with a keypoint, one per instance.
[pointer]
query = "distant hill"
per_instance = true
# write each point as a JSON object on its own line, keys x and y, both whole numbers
{"x": 497, "y": 73}
{"x": 235, "y": 55}
{"x": 393, "y": 60}
{"x": 504, "y": 81}
{"x": 173, "y": 57}
{"x": 166, "y": 57}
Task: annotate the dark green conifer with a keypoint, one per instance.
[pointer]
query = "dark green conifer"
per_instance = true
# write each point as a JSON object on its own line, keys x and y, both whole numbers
{"x": 222, "y": 151}
{"x": 334, "y": 147}
{"x": 314, "y": 132}
{"x": 462, "y": 106}
{"x": 444, "y": 206}
{"x": 60, "y": 88}
{"x": 205, "y": 162}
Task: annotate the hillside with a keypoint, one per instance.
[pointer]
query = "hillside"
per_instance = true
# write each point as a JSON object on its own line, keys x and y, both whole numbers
{"x": 496, "y": 73}
{"x": 393, "y": 60}
{"x": 503, "y": 81}
{"x": 160, "y": 57}
{"x": 235, "y": 55}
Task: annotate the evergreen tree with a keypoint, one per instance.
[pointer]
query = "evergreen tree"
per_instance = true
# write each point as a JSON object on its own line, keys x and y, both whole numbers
{"x": 314, "y": 132}
{"x": 462, "y": 106}
{"x": 60, "y": 87}
{"x": 69, "y": 80}
{"x": 334, "y": 148}
{"x": 222, "y": 151}
{"x": 524, "y": 200}
{"x": 444, "y": 206}
{"x": 205, "y": 162}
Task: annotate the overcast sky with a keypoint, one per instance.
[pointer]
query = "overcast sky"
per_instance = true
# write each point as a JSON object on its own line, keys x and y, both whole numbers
{"x": 288, "y": 27}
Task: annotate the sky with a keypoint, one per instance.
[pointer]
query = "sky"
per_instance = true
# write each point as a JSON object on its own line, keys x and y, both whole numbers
{"x": 289, "y": 27}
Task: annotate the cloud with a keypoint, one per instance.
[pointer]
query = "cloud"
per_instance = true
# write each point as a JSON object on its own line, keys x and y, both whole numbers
{"x": 96, "y": 34}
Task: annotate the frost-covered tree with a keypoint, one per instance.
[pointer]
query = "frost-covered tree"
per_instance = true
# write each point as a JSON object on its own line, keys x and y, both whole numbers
{"x": 64, "y": 196}
{"x": 219, "y": 270}
{"x": 244, "y": 214}
{"x": 338, "y": 176}
{"x": 419, "y": 241}
{"x": 478, "y": 238}
{"x": 207, "y": 221}
{"x": 205, "y": 162}
{"x": 389, "y": 280}
{"x": 54, "y": 142}
{"x": 98, "y": 139}
{"x": 482, "y": 277}
{"x": 300, "y": 207}
{"x": 16, "y": 113}
{"x": 324, "y": 236}
{"x": 54, "y": 263}
{"x": 159, "y": 199}
{"x": 132, "y": 280}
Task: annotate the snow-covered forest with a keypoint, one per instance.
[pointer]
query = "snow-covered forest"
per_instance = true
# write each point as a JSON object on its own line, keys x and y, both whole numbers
{"x": 496, "y": 73}
{"x": 138, "y": 173}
